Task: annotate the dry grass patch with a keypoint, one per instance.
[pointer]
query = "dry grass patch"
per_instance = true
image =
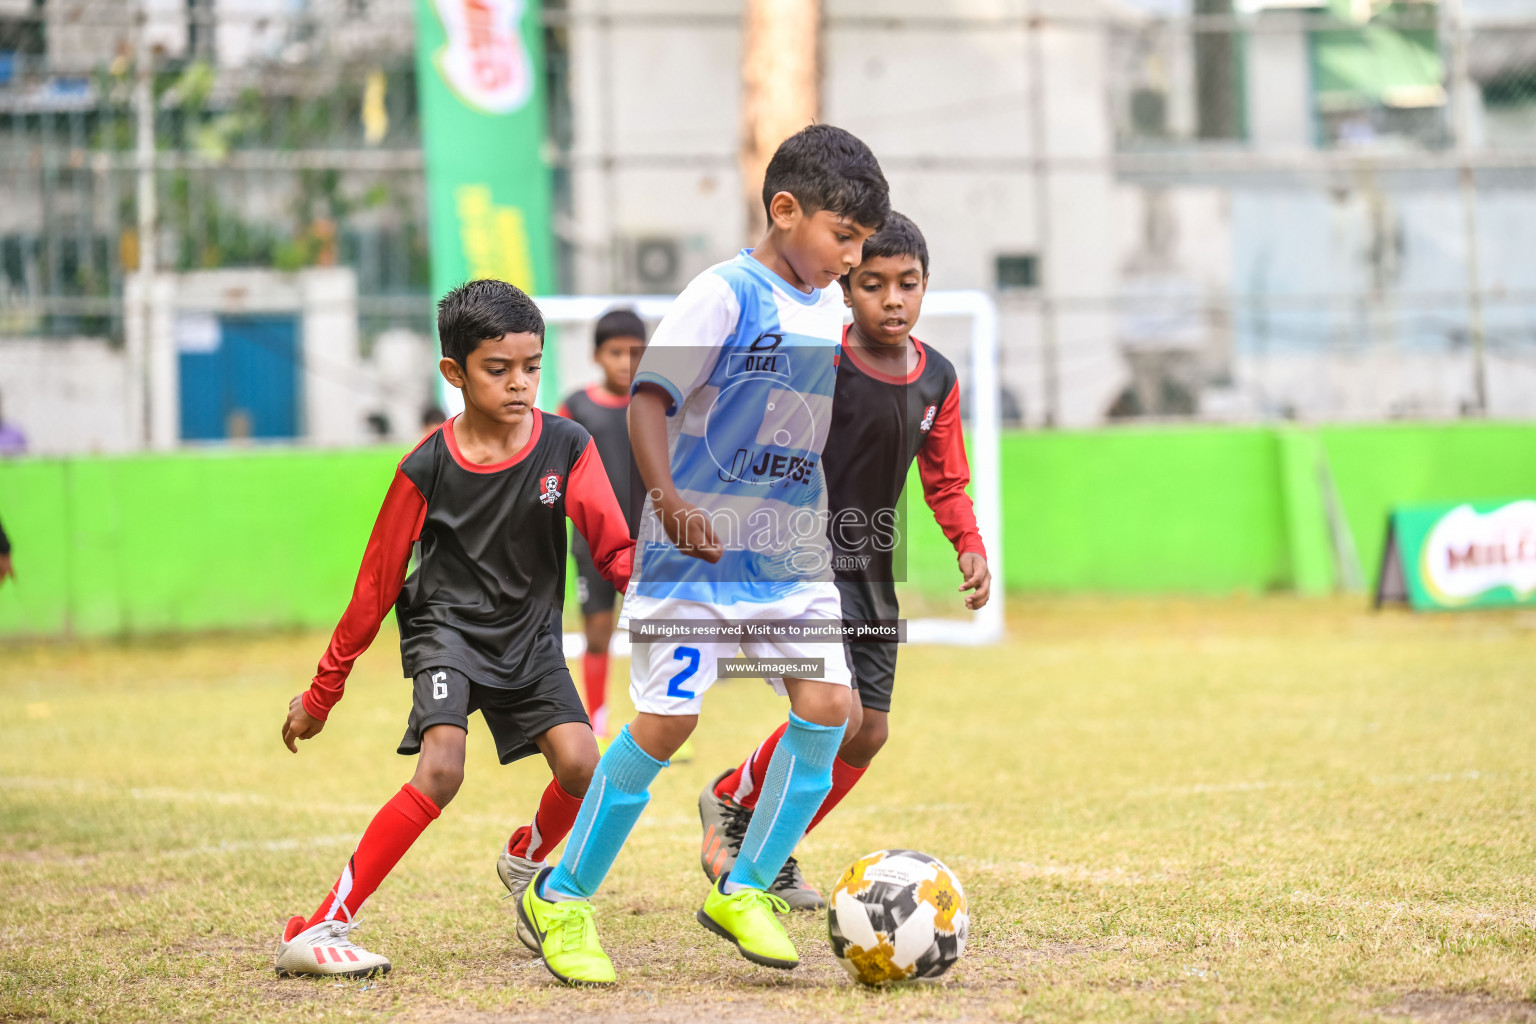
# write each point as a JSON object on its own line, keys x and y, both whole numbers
{"x": 1186, "y": 811}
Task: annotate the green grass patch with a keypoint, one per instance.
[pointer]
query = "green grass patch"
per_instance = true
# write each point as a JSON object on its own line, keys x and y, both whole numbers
{"x": 1252, "y": 809}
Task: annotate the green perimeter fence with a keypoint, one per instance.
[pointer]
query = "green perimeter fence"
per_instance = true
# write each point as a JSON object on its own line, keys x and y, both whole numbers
{"x": 259, "y": 539}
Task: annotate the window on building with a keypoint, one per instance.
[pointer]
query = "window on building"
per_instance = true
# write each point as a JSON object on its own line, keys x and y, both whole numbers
{"x": 1017, "y": 272}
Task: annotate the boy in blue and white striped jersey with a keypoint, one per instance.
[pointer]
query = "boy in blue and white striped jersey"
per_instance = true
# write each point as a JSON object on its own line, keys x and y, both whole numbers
{"x": 728, "y": 418}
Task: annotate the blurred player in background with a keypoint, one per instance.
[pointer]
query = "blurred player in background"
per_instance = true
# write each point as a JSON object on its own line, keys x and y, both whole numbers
{"x": 603, "y": 409}
{"x": 483, "y": 500}
{"x": 6, "y": 570}
{"x": 897, "y": 400}
{"x": 13, "y": 440}
{"x": 726, "y": 436}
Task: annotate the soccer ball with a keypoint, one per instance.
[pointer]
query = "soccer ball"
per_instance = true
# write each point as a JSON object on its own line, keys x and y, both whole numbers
{"x": 897, "y": 915}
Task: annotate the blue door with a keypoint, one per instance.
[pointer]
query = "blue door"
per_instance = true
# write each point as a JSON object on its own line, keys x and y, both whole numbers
{"x": 245, "y": 385}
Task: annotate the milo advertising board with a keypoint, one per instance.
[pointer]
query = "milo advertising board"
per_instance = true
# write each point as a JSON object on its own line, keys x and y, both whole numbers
{"x": 1471, "y": 555}
{"x": 480, "y": 84}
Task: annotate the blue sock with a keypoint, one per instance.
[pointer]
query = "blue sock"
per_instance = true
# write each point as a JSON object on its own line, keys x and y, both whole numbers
{"x": 798, "y": 780}
{"x": 619, "y": 791}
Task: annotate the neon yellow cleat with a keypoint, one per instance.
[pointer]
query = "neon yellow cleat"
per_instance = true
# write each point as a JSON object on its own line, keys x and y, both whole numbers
{"x": 567, "y": 936}
{"x": 747, "y": 918}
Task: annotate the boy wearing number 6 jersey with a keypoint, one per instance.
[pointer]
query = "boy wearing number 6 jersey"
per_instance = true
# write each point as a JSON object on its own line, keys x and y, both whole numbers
{"x": 897, "y": 401}
{"x": 482, "y": 501}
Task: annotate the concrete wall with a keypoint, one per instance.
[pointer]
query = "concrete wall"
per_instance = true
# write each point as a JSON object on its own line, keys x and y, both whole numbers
{"x": 81, "y": 395}
{"x": 67, "y": 395}
{"x": 325, "y": 298}
{"x": 1358, "y": 309}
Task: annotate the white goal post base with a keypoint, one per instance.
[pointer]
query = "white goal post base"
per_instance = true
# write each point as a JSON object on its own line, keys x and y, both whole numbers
{"x": 985, "y": 414}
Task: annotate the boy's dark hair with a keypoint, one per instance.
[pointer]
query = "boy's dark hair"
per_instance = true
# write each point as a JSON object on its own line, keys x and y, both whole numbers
{"x": 618, "y": 323}
{"x": 827, "y": 168}
{"x": 898, "y": 236}
{"x": 479, "y": 310}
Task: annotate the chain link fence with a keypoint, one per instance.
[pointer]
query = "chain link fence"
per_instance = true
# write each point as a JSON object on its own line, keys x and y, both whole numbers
{"x": 1376, "y": 164}
{"x": 294, "y": 145}
{"x": 1320, "y": 210}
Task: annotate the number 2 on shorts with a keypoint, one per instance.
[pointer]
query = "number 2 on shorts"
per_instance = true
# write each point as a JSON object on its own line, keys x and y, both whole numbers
{"x": 691, "y": 656}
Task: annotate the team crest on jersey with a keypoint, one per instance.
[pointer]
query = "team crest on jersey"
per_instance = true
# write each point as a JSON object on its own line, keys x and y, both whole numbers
{"x": 928, "y": 415}
{"x": 550, "y": 483}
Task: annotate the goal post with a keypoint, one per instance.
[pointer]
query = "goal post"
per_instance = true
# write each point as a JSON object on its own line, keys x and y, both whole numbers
{"x": 981, "y": 382}
{"x": 985, "y": 414}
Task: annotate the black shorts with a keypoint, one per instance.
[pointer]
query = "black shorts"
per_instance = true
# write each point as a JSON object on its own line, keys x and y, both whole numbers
{"x": 593, "y": 590}
{"x": 874, "y": 664}
{"x": 446, "y": 696}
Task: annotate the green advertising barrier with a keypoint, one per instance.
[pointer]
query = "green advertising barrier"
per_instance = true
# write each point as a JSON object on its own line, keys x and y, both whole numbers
{"x": 480, "y": 83}
{"x": 1468, "y": 555}
{"x": 1381, "y": 467}
{"x": 270, "y": 537}
{"x": 187, "y": 542}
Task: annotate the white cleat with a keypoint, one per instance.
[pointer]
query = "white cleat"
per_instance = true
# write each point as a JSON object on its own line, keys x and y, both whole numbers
{"x": 515, "y": 874}
{"x": 326, "y": 950}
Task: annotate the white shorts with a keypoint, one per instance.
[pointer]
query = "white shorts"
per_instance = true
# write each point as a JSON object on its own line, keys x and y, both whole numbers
{"x": 667, "y": 678}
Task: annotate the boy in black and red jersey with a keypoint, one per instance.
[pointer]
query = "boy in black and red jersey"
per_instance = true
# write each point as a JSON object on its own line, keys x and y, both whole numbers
{"x": 603, "y": 409}
{"x": 483, "y": 500}
{"x": 896, "y": 400}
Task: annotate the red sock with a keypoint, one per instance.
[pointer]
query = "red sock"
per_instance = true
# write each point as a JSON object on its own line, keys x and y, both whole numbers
{"x": 844, "y": 777}
{"x": 594, "y": 678}
{"x": 551, "y": 823}
{"x": 389, "y": 835}
{"x": 743, "y": 784}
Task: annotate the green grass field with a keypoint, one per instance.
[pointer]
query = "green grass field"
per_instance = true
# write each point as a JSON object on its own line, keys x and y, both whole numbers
{"x": 1253, "y": 809}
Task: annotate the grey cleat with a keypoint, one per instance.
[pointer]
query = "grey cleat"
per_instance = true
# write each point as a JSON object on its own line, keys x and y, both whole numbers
{"x": 725, "y": 826}
{"x": 515, "y": 874}
{"x": 792, "y": 888}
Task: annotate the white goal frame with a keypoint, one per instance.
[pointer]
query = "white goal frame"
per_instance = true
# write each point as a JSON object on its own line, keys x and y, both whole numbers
{"x": 982, "y": 627}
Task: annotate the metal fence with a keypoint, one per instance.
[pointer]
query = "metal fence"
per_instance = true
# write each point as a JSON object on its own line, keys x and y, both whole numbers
{"x": 1378, "y": 164}
{"x": 302, "y": 151}
{"x": 1359, "y": 179}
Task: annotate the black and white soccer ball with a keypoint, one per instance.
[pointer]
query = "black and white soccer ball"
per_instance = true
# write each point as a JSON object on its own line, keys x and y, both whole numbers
{"x": 897, "y": 915}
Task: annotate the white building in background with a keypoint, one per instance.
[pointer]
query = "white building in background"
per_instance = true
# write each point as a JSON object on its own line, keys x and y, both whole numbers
{"x": 1340, "y": 235}
{"x": 1225, "y": 225}
{"x": 942, "y": 92}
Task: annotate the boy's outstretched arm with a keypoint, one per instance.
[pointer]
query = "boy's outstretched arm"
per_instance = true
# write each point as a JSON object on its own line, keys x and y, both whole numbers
{"x": 685, "y": 523}
{"x": 946, "y": 472}
{"x": 379, "y": 580}
{"x": 590, "y": 504}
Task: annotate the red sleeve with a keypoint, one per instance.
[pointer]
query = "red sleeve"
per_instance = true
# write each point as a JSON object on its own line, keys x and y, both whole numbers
{"x": 945, "y": 472}
{"x": 591, "y": 505}
{"x": 378, "y": 584}
{"x": 563, "y": 410}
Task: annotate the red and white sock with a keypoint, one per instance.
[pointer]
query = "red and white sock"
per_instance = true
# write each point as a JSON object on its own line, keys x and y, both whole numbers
{"x": 594, "y": 679}
{"x": 844, "y": 777}
{"x": 743, "y": 784}
{"x": 389, "y": 835}
{"x": 551, "y": 823}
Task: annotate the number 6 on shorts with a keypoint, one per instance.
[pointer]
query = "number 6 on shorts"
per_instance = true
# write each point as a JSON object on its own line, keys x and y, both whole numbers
{"x": 675, "y": 686}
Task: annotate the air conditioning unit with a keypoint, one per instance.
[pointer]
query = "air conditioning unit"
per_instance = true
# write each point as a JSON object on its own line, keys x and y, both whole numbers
{"x": 653, "y": 264}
